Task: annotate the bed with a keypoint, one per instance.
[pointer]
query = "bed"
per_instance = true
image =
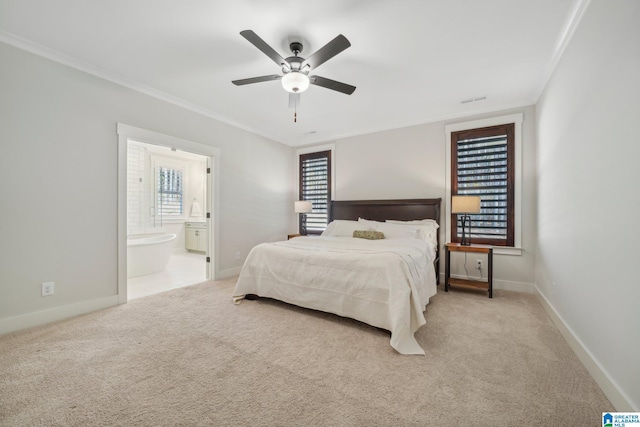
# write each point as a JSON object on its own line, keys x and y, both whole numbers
{"x": 385, "y": 283}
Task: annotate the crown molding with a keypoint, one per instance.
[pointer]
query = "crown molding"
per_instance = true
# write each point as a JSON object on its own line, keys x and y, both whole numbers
{"x": 61, "y": 58}
{"x": 568, "y": 29}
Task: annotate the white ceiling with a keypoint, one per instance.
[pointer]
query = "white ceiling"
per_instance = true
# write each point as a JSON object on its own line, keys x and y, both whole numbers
{"x": 413, "y": 61}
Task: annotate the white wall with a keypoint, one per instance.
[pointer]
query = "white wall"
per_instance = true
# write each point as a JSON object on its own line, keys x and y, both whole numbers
{"x": 406, "y": 163}
{"x": 410, "y": 163}
{"x": 59, "y": 184}
{"x": 589, "y": 204}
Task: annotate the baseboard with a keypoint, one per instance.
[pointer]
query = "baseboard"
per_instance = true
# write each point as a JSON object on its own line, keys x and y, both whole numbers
{"x": 506, "y": 285}
{"x": 609, "y": 387}
{"x": 229, "y": 272}
{"x": 38, "y": 318}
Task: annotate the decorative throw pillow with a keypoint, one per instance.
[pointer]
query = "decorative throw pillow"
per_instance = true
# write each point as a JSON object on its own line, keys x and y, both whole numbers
{"x": 368, "y": 234}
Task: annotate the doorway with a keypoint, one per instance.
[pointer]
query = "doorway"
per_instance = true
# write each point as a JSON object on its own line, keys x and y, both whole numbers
{"x": 166, "y": 222}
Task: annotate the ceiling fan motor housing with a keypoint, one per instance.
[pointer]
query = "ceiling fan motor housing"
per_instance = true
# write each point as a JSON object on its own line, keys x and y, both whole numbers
{"x": 294, "y": 64}
{"x": 296, "y": 47}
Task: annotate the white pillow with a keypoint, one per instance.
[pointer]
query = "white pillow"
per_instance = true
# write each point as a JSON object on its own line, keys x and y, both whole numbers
{"x": 427, "y": 227}
{"x": 369, "y": 223}
{"x": 342, "y": 228}
{"x": 392, "y": 231}
{"x": 431, "y": 222}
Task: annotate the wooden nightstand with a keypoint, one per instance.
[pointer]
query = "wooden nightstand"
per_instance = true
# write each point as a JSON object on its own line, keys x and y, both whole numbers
{"x": 291, "y": 236}
{"x": 476, "y": 284}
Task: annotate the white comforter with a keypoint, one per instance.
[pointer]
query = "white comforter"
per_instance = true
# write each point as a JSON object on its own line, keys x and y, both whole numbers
{"x": 384, "y": 283}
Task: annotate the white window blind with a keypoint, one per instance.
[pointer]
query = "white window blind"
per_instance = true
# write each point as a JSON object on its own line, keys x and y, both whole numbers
{"x": 315, "y": 186}
{"x": 483, "y": 166}
{"x": 170, "y": 186}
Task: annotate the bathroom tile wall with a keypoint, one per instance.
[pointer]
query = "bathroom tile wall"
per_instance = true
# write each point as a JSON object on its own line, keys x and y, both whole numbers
{"x": 135, "y": 173}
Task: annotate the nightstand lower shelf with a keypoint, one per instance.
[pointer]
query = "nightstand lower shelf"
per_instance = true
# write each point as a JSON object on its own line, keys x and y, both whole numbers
{"x": 475, "y": 284}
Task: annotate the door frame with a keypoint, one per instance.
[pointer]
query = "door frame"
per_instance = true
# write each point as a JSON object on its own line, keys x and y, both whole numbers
{"x": 125, "y": 133}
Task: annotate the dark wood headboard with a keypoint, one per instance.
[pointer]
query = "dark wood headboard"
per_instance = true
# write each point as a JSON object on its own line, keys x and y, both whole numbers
{"x": 380, "y": 210}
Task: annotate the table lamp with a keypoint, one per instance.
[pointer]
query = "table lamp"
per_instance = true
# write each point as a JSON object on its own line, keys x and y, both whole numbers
{"x": 303, "y": 207}
{"x": 463, "y": 206}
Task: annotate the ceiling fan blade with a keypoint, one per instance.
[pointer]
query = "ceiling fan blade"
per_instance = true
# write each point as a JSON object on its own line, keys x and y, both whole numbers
{"x": 255, "y": 40}
{"x": 326, "y": 52}
{"x": 256, "y": 79}
{"x": 332, "y": 84}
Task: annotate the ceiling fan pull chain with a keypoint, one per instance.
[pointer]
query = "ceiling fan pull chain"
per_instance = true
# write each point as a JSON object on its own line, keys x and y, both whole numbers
{"x": 295, "y": 114}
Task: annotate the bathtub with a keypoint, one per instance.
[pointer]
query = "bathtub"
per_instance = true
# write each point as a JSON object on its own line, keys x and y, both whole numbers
{"x": 146, "y": 255}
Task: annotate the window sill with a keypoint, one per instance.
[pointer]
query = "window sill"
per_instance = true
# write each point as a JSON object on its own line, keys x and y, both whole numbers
{"x": 502, "y": 250}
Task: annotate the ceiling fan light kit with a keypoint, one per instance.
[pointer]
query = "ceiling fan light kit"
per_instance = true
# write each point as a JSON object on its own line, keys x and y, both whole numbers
{"x": 295, "y": 82}
{"x": 295, "y": 76}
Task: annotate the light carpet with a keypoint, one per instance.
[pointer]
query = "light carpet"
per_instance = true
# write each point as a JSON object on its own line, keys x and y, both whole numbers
{"x": 192, "y": 357}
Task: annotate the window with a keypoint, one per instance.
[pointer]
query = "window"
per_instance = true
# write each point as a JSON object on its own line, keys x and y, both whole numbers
{"x": 482, "y": 164}
{"x": 170, "y": 184}
{"x": 315, "y": 186}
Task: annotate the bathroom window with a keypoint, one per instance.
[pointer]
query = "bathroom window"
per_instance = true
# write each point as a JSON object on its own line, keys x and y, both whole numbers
{"x": 170, "y": 192}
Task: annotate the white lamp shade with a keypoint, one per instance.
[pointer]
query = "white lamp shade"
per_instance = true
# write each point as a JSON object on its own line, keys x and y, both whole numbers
{"x": 303, "y": 206}
{"x": 295, "y": 82}
{"x": 465, "y": 204}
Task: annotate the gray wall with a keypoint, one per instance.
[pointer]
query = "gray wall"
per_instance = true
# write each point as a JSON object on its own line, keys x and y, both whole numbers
{"x": 589, "y": 204}
{"x": 59, "y": 183}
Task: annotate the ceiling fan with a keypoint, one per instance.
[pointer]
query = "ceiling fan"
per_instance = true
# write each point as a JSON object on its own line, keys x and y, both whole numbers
{"x": 295, "y": 69}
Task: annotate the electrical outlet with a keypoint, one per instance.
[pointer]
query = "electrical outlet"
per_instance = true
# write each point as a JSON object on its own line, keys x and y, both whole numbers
{"x": 478, "y": 264}
{"x": 47, "y": 288}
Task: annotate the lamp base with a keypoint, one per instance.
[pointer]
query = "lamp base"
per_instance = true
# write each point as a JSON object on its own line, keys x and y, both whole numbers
{"x": 303, "y": 224}
{"x": 466, "y": 240}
